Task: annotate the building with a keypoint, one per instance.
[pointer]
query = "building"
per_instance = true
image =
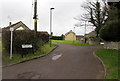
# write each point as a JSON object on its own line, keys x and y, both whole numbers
{"x": 70, "y": 35}
{"x": 21, "y": 26}
{"x": 79, "y": 37}
{"x": 17, "y": 26}
{"x": 91, "y": 34}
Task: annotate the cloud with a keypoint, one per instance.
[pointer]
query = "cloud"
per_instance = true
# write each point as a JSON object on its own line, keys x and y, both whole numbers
{"x": 65, "y": 11}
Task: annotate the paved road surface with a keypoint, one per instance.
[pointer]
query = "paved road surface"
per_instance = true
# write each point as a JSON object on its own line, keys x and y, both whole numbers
{"x": 65, "y": 62}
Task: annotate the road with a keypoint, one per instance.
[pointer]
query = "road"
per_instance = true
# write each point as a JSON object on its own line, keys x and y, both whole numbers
{"x": 65, "y": 62}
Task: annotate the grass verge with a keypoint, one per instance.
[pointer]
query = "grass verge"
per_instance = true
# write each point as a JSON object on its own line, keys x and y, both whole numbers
{"x": 71, "y": 42}
{"x": 17, "y": 57}
{"x": 0, "y": 46}
{"x": 110, "y": 59}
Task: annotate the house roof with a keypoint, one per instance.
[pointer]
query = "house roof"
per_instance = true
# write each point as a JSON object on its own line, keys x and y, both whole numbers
{"x": 79, "y": 36}
{"x": 69, "y": 32}
{"x": 17, "y": 25}
{"x": 91, "y": 34}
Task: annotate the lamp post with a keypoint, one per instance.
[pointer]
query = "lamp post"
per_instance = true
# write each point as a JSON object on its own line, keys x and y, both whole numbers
{"x": 11, "y": 29}
{"x": 51, "y": 25}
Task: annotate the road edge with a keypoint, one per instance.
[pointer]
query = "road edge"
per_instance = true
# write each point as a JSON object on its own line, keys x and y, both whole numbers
{"x": 104, "y": 67}
{"x": 31, "y": 58}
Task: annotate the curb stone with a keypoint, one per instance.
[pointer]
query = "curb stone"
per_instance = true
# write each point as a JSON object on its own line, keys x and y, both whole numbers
{"x": 30, "y": 59}
{"x": 105, "y": 70}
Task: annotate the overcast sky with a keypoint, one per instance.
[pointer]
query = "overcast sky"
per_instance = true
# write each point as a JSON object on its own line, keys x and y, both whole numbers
{"x": 63, "y": 14}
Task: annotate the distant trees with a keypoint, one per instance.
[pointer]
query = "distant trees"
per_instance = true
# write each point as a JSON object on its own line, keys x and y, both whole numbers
{"x": 58, "y": 37}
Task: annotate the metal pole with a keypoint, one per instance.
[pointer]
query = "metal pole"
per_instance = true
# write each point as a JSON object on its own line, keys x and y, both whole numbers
{"x": 35, "y": 16}
{"x": 11, "y": 45}
{"x": 50, "y": 26}
{"x": 85, "y": 31}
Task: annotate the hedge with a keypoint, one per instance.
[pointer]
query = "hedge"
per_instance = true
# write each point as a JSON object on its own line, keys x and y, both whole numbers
{"x": 110, "y": 31}
{"x": 57, "y": 38}
{"x": 23, "y": 37}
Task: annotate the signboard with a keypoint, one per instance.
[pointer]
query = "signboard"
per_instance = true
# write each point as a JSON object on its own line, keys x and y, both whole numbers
{"x": 26, "y": 46}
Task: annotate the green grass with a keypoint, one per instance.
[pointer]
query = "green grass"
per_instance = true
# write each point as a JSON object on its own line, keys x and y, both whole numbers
{"x": 71, "y": 42}
{"x": 17, "y": 57}
{"x": 110, "y": 59}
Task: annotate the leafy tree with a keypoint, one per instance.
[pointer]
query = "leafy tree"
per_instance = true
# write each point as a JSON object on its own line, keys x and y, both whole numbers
{"x": 110, "y": 31}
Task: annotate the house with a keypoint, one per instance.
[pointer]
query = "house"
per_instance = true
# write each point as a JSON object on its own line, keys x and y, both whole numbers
{"x": 17, "y": 26}
{"x": 92, "y": 39}
{"x": 91, "y": 34}
{"x": 21, "y": 26}
{"x": 79, "y": 37}
{"x": 70, "y": 35}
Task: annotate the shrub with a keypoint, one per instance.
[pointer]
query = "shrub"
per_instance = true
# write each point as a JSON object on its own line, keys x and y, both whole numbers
{"x": 57, "y": 38}
{"x": 110, "y": 31}
{"x": 19, "y": 38}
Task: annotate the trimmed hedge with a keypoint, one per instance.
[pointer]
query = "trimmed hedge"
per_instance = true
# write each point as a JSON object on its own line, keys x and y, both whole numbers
{"x": 57, "y": 38}
{"x": 23, "y": 37}
{"x": 110, "y": 31}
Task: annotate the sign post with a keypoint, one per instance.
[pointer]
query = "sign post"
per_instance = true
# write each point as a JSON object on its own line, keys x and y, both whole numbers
{"x": 11, "y": 29}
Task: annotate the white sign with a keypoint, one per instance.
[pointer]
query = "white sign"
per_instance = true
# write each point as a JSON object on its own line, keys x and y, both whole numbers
{"x": 26, "y": 46}
{"x": 11, "y": 29}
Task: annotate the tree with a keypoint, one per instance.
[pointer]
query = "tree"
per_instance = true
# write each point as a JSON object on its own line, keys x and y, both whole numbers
{"x": 110, "y": 31}
{"x": 96, "y": 14}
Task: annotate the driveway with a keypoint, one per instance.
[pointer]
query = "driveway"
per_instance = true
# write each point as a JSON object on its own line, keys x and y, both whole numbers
{"x": 65, "y": 62}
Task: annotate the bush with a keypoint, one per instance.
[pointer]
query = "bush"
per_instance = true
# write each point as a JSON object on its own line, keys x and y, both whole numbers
{"x": 22, "y": 37}
{"x": 110, "y": 31}
{"x": 57, "y": 38}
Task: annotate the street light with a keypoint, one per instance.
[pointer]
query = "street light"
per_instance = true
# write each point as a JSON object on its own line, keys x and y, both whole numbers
{"x": 11, "y": 29}
{"x": 51, "y": 25}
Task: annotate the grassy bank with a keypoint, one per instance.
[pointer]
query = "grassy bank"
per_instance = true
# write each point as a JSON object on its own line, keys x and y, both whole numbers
{"x": 70, "y": 42}
{"x": 110, "y": 59}
{"x": 17, "y": 57}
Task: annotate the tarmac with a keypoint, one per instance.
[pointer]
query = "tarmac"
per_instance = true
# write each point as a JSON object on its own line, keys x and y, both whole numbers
{"x": 65, "y": 62}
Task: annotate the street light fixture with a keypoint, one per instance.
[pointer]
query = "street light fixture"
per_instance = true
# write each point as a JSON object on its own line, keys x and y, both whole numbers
{"x": 51, "y": 25}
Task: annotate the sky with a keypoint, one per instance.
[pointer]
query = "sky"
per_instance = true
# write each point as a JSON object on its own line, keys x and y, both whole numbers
{"x": 63, "y": 14}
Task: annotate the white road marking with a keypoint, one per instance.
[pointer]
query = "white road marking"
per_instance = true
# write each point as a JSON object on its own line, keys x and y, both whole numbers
{"x": 55, "y": 57}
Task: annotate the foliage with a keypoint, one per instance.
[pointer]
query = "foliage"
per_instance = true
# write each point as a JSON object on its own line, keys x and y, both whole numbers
{"x": 110, "y": 59}
{"x": 110, "y": 32}
{"x": 96, "y": 14}
{"x": 57, "y": 38}
{"x": 45, "y": 49}
{"x": 71, "y": 42}
{"x": 19, "y": 38}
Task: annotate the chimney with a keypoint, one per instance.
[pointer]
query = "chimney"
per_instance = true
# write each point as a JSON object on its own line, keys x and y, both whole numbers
{"x": 10, "y": 23}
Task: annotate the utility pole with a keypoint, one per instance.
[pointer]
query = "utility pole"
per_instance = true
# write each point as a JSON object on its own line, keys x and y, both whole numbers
{"x": 85, "y": 32}
{"x": 35, "y": 16}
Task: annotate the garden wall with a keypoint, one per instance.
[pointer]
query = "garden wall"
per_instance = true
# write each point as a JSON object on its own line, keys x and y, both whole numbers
{"x": 93, "y": 41}
{"x": 112, "y": 45}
